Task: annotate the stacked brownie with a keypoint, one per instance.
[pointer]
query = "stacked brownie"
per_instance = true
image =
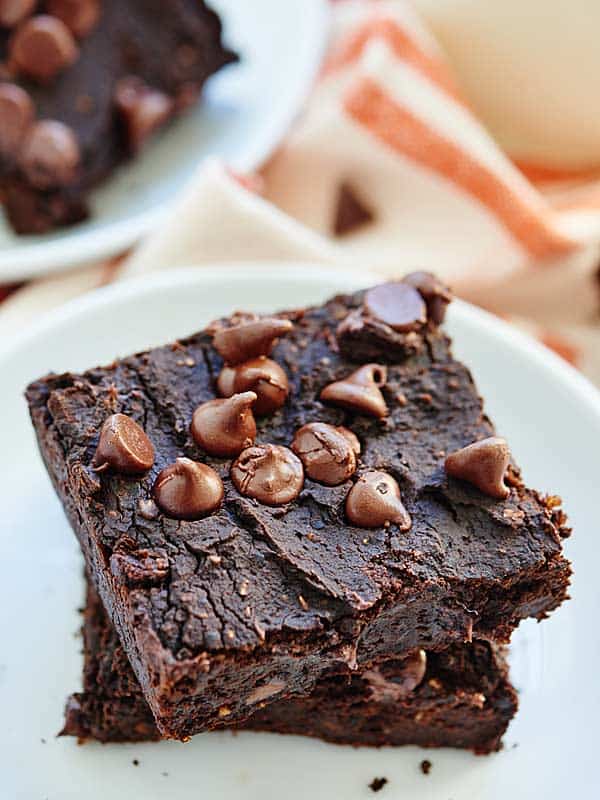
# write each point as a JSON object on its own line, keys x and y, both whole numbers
{"x": 83, "y": 85}
{"x": 284, "y": 509}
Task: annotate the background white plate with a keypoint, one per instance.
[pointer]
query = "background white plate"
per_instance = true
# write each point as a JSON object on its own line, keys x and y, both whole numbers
{"x": 550, "y": 414}
{"x": 246, "y": 110}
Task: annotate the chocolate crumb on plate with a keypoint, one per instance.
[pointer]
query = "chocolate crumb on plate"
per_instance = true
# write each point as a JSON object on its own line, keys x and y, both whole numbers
{"x": 426, "y": 766}
{"x": 377, "y": 784}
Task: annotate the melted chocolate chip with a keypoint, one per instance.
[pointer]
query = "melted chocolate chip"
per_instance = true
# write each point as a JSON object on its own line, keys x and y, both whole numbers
{"x": 249, "y": 339}
{"x": 123, "y": 447}
{"x": 16, "y": 116}
{"x": 435, "y": 294}
{"x": 80, "y": 16}
{"x": 328, "y": 453}
{"x": 269, "y": 473}
{"x": 42, "y": 47}
{"x": 360, "y": 391}
{"x": 398, "y": 305}
{"x": 408, "y": 675}
{"x": 261, "y": 375}
{"x": 482, "y": 464}
{"x": 50, "y": 155}
{"x": 225, "y": 427}
{"x": 142, "y": 108}
{"x": 350, "y": 212}
{"x": 14, "y": 11}
{"x": 375, "y": 500}
{"x": 188, "y": 490}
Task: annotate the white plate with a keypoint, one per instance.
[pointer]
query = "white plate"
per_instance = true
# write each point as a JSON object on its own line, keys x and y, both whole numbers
{"x": 550, "y": 414}
{"x": 245, "y": 112}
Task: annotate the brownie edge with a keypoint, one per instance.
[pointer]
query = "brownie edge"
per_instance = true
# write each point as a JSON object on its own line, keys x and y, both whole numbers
{"x": 464, "y": 700}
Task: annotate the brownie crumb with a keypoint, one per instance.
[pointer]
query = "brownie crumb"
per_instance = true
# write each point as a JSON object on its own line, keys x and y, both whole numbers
{"x": 377, "y": 784}
{"x": 426, "y": 767}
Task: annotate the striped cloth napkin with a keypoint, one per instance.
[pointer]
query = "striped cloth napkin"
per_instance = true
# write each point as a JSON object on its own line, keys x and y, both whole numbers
{"x": 388, "y": 169}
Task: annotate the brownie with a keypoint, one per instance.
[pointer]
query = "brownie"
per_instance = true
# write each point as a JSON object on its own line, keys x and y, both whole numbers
{"x": 222, "y": 578}
{"x": 461, "y": 698}
{"x": 107, "y": 74}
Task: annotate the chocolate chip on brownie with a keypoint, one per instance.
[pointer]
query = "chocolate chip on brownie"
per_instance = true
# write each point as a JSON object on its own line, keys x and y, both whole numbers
{"x": 398, "y": 305}
{"x": 225, "y": 427}
{"x": 261, "y": 375}
{"x": 360, "y": 391}
{"x": 269, "y": 473}
{"x": 50, "y": 155}
{"x": 188, "y": 490}
{"x": 483, "y": 464}
{"x": 17, "y": 113}
{"x": 249, "y": 339}
{"x": 375, "y": 500}
{"x": 42, "y": 47}
{"x": 436, "y": 294}
{"x": 328, "y": 452}
{"x": 124, "y": 447}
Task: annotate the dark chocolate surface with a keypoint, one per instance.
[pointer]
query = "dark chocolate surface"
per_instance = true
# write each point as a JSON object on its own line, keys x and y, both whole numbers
{"x": 209, "y": 610}
{"x": 464, "y": 700}
{"x": 173, "y": 45}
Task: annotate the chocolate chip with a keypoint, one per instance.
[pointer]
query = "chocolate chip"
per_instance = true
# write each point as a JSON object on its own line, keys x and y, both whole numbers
{"x": 360, "y": 391}
{"x": 375, "y": 500}
{"x": 188, "y": 490}
{"x": 142, "y": 108}
{"x": 123, "y": 446}
{"x": 14, "y": 11}
{"x": 328, "y": 453}
{"x": 261, "y": 375}
{"x": 80, "y": 16}
{"x": 350, "y": 212}
{"x": 249, "y": 339}
{"x": 50, "y": 155}
{"x": 398, "y": 305}
{"x": 42, "y": 47}
{"x": 408, "y": 674}
{"x": 483, "y": 464}
{"x": 16, "y": 115}
{"x": 435, "y": 294}
{"x": 225, "y": 427}
{"x": 412, "y": 672}
{"x": 269, "y": 473}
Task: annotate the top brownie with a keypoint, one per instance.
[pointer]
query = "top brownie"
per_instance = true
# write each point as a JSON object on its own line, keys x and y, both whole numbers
{"x": 234, "y": 579}
{"x": 83, "y": 84}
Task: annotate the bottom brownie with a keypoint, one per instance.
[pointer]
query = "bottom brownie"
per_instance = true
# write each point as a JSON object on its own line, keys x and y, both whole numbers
{"x": 463, "y": 699}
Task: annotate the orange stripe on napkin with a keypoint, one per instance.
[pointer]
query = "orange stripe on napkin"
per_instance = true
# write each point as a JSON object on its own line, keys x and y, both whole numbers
{"x": 538, "y": 173}
{"x": 404, "y": 47}
{"x": 394, "y": 125}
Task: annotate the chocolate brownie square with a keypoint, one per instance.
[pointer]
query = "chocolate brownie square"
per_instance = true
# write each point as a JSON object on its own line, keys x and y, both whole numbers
{"x": 83, "y": 85}
{"x": 345, "y": 501}
{"x": 459, "y": 697}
